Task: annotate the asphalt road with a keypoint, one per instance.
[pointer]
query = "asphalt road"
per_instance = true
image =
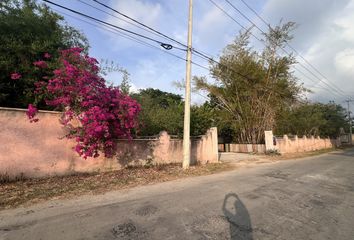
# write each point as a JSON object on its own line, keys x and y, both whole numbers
{"x": 309, "y": 198}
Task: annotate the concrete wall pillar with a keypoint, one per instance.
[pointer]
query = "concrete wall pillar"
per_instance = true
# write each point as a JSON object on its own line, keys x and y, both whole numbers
{"x": 269, "y": 141}
{"x": 214, "y": 137}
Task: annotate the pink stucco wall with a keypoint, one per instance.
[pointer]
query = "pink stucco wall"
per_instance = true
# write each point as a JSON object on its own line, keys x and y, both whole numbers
{"x": 39, "y": 149}
{"x": 304, "y": 144}
{"x": 295, "y": 144}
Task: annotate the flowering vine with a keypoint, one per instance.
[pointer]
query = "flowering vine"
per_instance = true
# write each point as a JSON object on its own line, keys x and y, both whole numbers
{"x": 31, "y": 112}
{"x": 94, "y": 114}
{"x": 15, "y": 76}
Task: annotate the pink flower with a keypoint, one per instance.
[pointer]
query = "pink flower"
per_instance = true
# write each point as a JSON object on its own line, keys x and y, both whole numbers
{"x": 102, "y": 112}
{"x": 31, "y": 112}
{"x": 40, "y": 64}
{"x": 47, "y": 55}
{"x": 15, "y": 76}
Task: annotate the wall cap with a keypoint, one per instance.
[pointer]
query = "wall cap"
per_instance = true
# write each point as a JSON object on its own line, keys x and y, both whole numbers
{"x": 24, "y": 110}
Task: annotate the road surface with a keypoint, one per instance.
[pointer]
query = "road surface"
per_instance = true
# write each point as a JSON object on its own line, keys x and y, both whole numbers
{"x": 310, "y": 198}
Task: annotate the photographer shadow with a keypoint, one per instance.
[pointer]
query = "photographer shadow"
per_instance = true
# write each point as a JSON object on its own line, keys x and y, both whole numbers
{"x": 238, "y": 217}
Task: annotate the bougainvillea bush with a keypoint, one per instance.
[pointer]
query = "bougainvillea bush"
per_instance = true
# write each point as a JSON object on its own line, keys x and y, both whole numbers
{"x": 94, "y": 114}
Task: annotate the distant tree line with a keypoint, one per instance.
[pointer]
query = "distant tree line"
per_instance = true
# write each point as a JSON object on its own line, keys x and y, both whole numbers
{"x": 318, "y": 119}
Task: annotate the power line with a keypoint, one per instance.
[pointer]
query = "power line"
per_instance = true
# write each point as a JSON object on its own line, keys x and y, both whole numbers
{"x": 124, "y": 35}
{"x": 253, "y": 24}
{"x": 162, "y": 44}
{"x": 315, "y": 82}
{"x": 114, "y": 31}
{"x": 140, "y": 23}
{"x": 284, "y": 50}
{"x": 158, "y": 33}
{"x": 243, "y": 15}
{"x": 204, "y": 55}
{"x": 122, "y": 29}
{"x": 248, "y": 19}
{"x": 121, "y": 19}
{"x": 148, "y": 27}
{"x": 288, "y": 44}
{"x": 233, "y": 19}
{"x": 238, "y": 23}
{"x": 255, "y": 12}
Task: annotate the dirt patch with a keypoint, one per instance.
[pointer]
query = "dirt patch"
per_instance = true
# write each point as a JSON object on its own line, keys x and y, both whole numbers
{"x": 31, "y": 191}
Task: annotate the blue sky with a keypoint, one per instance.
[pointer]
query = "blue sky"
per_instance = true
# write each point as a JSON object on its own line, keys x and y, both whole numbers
{"x": 325, "y": 37}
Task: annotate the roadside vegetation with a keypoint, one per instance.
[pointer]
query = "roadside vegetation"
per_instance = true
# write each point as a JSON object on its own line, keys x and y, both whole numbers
{"x": 30, "y": 191}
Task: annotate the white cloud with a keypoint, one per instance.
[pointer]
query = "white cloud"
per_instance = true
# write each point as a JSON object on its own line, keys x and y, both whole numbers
{"x": 134, "y": 88}
{"x": 212, "y": 21}
{"x": 344, "y": 62}
{"x": 324, "y": 37}
{"x": 345, "y": 23}
{"x": 144, "y": 11}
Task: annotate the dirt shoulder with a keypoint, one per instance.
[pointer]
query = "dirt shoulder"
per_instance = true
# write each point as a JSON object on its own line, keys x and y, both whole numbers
{"x": 30, "y": 191}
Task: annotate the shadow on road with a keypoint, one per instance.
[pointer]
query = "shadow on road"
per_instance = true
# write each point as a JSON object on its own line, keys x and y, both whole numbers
{"x": 238, "y": 217}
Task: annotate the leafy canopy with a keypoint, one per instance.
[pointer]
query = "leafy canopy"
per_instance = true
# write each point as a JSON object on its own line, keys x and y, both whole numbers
{"x": 163, "y": 111}
{"x": 28, "y": 31}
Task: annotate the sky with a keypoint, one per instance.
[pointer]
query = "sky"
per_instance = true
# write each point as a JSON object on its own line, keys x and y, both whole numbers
{"x": 324, "y": 37}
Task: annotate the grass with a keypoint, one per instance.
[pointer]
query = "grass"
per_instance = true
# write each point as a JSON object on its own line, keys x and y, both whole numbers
{"x": 29, "y": 191}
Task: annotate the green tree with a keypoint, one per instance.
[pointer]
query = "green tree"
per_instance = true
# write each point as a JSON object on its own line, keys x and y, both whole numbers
{"x": 159, "y": 111}
{"x": 164, "y": 111}
{"x": 27, "y": 32}
{"x": 316, "y": 119}
{"x": 202, "y": 118}
{"x": 250, "y": 87}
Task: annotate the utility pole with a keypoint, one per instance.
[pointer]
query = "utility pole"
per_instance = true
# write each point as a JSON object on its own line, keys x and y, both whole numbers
{"x": 187, "y": 98}
{"x": 350, "y": 123}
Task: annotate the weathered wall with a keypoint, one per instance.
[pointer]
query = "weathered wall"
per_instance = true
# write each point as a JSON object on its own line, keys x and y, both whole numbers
{"x": 39, "y": 149}
{"x": 304, "y": 144}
